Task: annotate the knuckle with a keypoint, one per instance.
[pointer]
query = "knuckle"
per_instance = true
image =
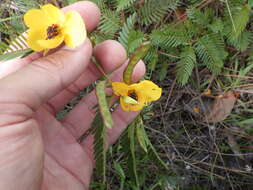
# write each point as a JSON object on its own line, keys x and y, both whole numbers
{"x": 53, "y": 61}
{"x": 50, "y": 67}
{"x": 14, "y": 113}
{"x": 74, "y": 89}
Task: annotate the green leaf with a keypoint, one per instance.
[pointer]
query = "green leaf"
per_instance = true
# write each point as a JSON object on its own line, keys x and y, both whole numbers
{"x": 151, "y": 150}
{"x": 141, "y": 134}
{"x": 127, "y": 27}
{"x": 15, "y": 54}
{"x": 103, "y": 106}
{"x": 129, "y": 150}
{"x": 210, "y": 49}
{"x": 163, "y": 71}
{"x": 15, "y": 47}
{"x": 246, "y": 121}
{"x": 241, "y": 19}
{"x": 121, "y": 174}
{"x": 151, "y": 59}
{"x": 109, "y": 23}
{"x": 243, "y": 72}
{"x": 10, "y": 18}
{"x": 216, "y": 26}
{"x": 134, "y": 59}
{"x": 155, "y": 10}
{"x": 250, "y": 2}
{"x": 169, "y": 36}
{"x": 242, "y": 42}
{"x": 134, "y": 41}
{"x": 185, "y": 66}
{"x": 199, "y": 17}
{"x": 98, "y": 37}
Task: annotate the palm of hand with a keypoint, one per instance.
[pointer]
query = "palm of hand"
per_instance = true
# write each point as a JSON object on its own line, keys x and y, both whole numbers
{"x": 66, "y": 163}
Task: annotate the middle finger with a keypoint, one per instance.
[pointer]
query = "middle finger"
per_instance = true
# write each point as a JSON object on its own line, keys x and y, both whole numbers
{"x": 110, "y": 55}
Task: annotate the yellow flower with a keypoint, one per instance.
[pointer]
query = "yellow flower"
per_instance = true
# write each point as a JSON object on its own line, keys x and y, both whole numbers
{"x": 133, "y": 97}
{"x": 196, "y": 109}
{"x": 49, "y": 27}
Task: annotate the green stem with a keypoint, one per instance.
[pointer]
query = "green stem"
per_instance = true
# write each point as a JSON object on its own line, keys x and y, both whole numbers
{"x": 101, "y": 69}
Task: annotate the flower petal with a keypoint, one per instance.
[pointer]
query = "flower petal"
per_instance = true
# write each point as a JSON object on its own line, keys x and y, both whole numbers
{"x": 147, "y": 90}
{"x": 51, "y": 43}
{"x": 120, "y": 88}
{"x": 54, "y": 14}
{"x": 74, "y": 29}
{"x": 33, "y": 37}
{"x": 129, "y": 100}
{"x": 35, "y": 19}
{"x": 130, "y": 107}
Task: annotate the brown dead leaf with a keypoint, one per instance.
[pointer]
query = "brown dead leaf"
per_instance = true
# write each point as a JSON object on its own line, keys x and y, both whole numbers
{"x": 207, "y": 92}
{"x": 222, "y": 107}
{"x": 212, "y": 109}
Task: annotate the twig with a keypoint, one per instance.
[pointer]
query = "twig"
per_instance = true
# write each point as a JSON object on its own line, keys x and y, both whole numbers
{"x": 168, "y": 55}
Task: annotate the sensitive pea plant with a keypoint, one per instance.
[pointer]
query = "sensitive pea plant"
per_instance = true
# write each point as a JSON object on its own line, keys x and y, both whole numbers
{"x": 199, "y": 56}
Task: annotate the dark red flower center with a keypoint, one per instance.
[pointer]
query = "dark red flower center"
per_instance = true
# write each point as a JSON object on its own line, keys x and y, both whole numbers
{"x": 52, "y": 31}
{"x": 132, "y": 94}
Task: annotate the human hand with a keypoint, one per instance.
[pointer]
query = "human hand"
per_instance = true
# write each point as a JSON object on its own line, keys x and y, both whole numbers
{"x": 36, "y": 150}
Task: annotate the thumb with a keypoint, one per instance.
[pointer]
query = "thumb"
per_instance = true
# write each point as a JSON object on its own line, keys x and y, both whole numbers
{"x": 39, "y": 81}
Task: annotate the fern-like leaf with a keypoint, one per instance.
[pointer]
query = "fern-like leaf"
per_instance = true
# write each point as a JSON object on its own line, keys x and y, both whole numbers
{"x": 110, "y": 22}
{"x": 135, "y": 39}
{"x": 241, "y": 19}
{"x": 155, "y": 10}
{"x": 216, "y": 26}
{"x": 236, "y": 21}
{"x": 169, "y": 36}
{"x": 162, "y": 67}
{"x": 100, "y": 4}
{"x": 243, "y": 41}
{"x": 98, "y": 37}
{"x": 15, "y": 54}
{"x": 17, "y": 47}
{"x": 25, "y": 5}
{"x": 151, "y": 59}
{"x": 127, "y": 27}
{"x": 199, "y": 17}
{"x": 210, "y": 49}
{"x": 185, "y": 66}
{"x": 123, "y": 4}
